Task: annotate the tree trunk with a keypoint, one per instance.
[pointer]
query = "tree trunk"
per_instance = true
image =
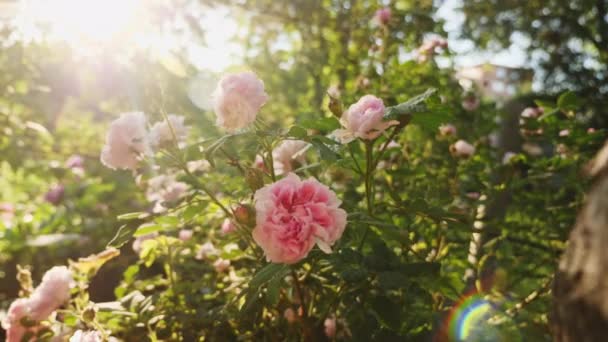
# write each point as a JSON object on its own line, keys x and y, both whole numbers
{"x": 580, "y": 311}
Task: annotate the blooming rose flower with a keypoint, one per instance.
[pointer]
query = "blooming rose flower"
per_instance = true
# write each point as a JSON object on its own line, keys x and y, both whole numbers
{"x": 508, "y": 156}
{"x": 462, "y": 148}
{"x": 127, "y": 140}
{"x": 383, "y": 16}
{"x": 195, "y": 166}
{"x": 290, "y": 315}
{"x": 447, "y": 130}
{"x": 292, "y": 215}
{"x": 164, "y": 189}
{"x": 221, "y": 265}
{"x": 185, "y": 234}
{"x": 206, "y": 250}
{"x": 470, "y": 103}
{"x": 364, "y": 120}
{"x": 237, "y": 100}
{"x": 75, "y": 161}
{"x": 160, "y": 133}
{"x": 11, "y": 323}
{"x": 531, "y": 112}
{"x": 137, "y": 243}
{"x": 590, "y": 130}
{"x": 55, "y": 194}
{"x": 564, "y": 133}
{"x": 86, "y": 336}
{"x": 532, "y": 149}
{"x": 51, "y": 293}
{"x": 286, "y": 153}
{"x": 228, "y": 227}
{"x": 427, "y": 49}
{"x": 330, "y": 327}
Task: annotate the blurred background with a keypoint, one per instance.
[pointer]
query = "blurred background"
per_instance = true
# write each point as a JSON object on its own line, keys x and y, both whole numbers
{"x": 69, "y": 67}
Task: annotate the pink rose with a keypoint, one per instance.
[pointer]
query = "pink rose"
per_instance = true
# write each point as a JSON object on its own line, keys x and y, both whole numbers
{"x": 75, "y": 161}
{"x": 531, "y": 113}
{"x": 383, "y": 16}
{"x": 470, "y": 103}
{"x": 55, "y": 194}
{"x": 160, "y": 133}
{"x": 288, "y": 152}
{"x": 221, "y": 265}
{"x": 238, "y": 99}
{"x": 564, "y": 133}
{"x": 228, "y": 227}
{"x": 127, "y": 140}
{"x": 364, "y": 120}
{"x": 137, "y": 243}
{"x": 290, "y": 315}
{"x": 164, "y": 189}
{"x": 293, "y": 215}
{"x": 86, "y": 336}
{"x": 206, "y": 250}
{"x": 51, "y": 293}
{"x": 185, "y": 234}
{"x": 462, "y": 148}
{"x": 447, "y": 130}
{"x": 11, "y": 323}
{"x": 330, "y": 327}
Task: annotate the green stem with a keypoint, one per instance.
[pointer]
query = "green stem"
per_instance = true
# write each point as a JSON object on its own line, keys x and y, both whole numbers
{"x": 369, "y": 185}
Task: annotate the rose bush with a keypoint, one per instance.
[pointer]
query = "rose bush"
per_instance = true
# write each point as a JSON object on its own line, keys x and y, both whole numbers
{"x": 395, "y": 208}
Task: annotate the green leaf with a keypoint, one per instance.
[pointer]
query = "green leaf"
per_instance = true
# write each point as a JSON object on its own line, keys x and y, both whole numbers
{"x": 420, "y": 269}
{"x": 132, "y": 216}
{"x": 297, "y": 132}
{"x": 273, "y": 291}
{"x": 147, "y": 228}
{"x": 321, "y": 124}
{"x": 123, "y": 235}
{"x": 387, "y": 312}
{"x": 413, "y": 105}
{"x": 267, "y": 273}
{"x": 325, "y": 152}
{"x": 568, "y": 101}
{"x": 391, "y": 280}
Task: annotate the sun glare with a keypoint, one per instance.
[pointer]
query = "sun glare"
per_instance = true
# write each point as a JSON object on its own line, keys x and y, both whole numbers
{"x": 84, "y": 20}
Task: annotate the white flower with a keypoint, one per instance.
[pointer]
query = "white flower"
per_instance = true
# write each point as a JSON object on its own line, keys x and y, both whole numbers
{"x": 161, "y": 134}
{"x": 288, "y": 152}
{"x": 462, "y": 148}
{"x": 127, "y": 140}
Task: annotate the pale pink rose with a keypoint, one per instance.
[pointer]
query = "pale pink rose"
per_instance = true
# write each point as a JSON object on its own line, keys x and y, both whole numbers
{"x": 290, "y": 315}
{"x": 364, "y": 120}
{"x": 137, "y": 243}
{"x": 393, "y": 144}
{"x": 165, "y": 189}
{"x": 590, "y": 130}
{"x": 51, "y": 293}
{"x": 531, "y": 112}
{"x": 462, "y": 148}
{"x": 195, "y": 166}
{"x": 228, "y": 227}
{"x": 334, "y": 92}
{"x": 55, "y": 194}
{"x": 473, "y": 195}
{"x": 238, "y": 99}
{"x": 258, "y": 163}
{"x": 564, "y": 133}
{"x": 205, "y": 251}
{"x": 293, "y": 215}
{"x": 75, "y": 161}
{"x": 330, "y": 327}
{"x": 11, "y": 323}
{"x": 127, "y": 140}
{"x": 221, "y": 265}
{"x": 508, "y": 157}
{"x": 288, "y": 152}
{"x": 532, "y": 149}
{"x": 185, "y": 234}
{"x": 470, "y": 103}
{"x": 447, "y": 130}
{"x": 429, "y": 47}
{"x": 7, "y": 213}
{"x": 86, "y": 336}
{"x": 494, "y": 139}
{"x": 383, "y": 16}
{"x": 160, "y": 133}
